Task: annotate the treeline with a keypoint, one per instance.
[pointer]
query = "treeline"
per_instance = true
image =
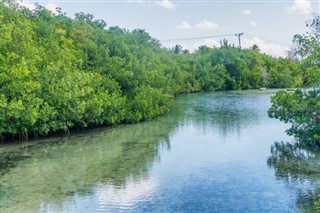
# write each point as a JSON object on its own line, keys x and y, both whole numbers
{"x": 58, "y": 73}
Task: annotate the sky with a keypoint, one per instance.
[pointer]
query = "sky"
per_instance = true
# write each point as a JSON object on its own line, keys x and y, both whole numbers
{"x": 269, "y": 24}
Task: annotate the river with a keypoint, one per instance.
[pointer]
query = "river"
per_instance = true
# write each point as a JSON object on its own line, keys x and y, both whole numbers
{"x": 210, "y": 153}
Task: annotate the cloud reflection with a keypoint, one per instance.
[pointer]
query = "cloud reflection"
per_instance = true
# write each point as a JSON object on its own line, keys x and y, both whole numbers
{"x": 127, "y": 196}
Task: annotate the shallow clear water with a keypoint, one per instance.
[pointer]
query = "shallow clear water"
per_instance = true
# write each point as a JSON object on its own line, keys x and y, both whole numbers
{"x": 208, "y": 154}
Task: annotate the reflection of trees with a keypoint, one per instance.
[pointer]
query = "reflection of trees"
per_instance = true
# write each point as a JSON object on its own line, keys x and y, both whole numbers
{"x": 49, "y": 173}
{"x": 60, "y": 169}
{"x": 299, "y": 164}
{"x": 227, "y": 112}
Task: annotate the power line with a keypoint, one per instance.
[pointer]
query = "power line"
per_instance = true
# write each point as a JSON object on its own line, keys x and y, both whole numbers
{"x": 196, "y": 38}
{"x": 225, "y": 35}
{"x": 267, "y": 39}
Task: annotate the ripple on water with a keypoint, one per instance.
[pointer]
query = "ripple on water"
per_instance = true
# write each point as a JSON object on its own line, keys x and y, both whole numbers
{"x": 208, "y": 154}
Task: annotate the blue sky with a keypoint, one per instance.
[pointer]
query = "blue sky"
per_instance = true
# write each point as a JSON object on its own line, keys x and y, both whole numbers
{"x": 269, "y": 24}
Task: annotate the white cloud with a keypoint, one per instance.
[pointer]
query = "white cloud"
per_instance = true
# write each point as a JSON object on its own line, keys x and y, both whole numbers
{"x": 206, "y": 25}
{"x": 51, "y": 6}
{"x": 166, "y": 4}
{"x": 28, "y": 5}
{"x": 300, "y": 7}
{"x": 129, "y": 195}
{"x": 253, "y": 23}
{"x": 207, "y": 42}
{"x": 202, "y": 25}
{"x": 246, "y": 12}
{"x": 138, "y": 1}
{"x": 266, "y": 47}
{"x": 184, "y": 26}
{"x": 192, "y": 46}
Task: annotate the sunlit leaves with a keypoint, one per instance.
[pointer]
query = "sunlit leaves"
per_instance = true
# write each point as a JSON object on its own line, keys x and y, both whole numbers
{"x": 59, "y": 73}
{"x": 302, "y": 108}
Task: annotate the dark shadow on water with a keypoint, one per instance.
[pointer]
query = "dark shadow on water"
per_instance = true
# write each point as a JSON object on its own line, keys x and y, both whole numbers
{"x": 298, "y": 164}
{"x": 50, "y": 172}
{"x": 226, "y": 112}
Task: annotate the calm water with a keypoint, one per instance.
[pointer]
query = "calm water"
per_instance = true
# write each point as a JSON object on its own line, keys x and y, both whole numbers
{"x": 209, "y": 154}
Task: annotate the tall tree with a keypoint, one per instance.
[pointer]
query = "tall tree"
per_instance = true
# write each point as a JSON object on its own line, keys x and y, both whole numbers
{"x": 302, "y": 108}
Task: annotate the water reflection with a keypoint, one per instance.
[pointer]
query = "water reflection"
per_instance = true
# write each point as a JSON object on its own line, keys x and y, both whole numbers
{"x": 106, "y": 197}
{"x": 49, "y": 173}
{"x": 227, "y": 112}
{"x": 298, "y": 164}
{"x": 175, "y": 163}
{"x": 127, "y": 196}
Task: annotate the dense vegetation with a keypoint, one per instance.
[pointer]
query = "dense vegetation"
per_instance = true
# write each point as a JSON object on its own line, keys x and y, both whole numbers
{"x": 58, "y": 73}
{"x": 302, "y": 109}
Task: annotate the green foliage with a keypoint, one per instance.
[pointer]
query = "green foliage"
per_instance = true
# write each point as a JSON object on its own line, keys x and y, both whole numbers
{"x": 58, "y": 73}
{"x": 302, "y": 108}
{"x": 306, "y": 50}
{"x": 284, "y": 74}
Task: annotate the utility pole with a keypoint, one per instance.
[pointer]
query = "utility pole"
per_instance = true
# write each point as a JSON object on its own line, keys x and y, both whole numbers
{"x": 239, "y": 34}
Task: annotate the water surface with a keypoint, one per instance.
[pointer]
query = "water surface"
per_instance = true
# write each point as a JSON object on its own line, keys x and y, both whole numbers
{"x": 208, "y": 154}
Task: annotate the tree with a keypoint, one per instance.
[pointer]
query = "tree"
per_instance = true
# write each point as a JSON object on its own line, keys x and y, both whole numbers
{"x": 306, "y": 50}
{"x": 255, "y": 47}
{"x": 302, "y": 108}
{"x": 177, "y": 49}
